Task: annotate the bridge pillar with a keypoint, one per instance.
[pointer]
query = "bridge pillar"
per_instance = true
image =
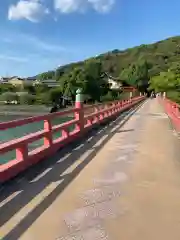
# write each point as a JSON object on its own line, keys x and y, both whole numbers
{"x": 79, "y": 114}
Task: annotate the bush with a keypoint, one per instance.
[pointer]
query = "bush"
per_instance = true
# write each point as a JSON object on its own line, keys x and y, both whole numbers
{"x": 43, "y": 98}
{"x": 55, "y": 94}
{"x": 9, "y": 97}
{"x": 111, "y": 96}
{"x": 174, "y": 96}
{"x": 26, "y": 98}
{"x": 107, "y": 98}
{"x": 6, "y": 88}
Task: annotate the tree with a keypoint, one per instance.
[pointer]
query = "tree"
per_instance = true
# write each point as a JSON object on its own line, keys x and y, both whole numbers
{"x": 30, "y": 88}
{"x": 94, "y": 85}
{"x": 6, "y": 88}
{"x": 26, "y": 98}
{"x": 9, "y": 97}
{"x": 46, "y": 76}
{"x": 159, "y": 57}
{"x": 41, "y": 88}
{"x": 88, "y": 78}
{"x": 136, "y": 75}
{"x": 55, "y": 94}
{"x": 68, "y": 83}
{"x": 168, "y": 82}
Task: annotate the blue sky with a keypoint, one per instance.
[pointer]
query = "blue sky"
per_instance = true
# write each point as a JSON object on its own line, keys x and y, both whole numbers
{"x": 40, "y": 35}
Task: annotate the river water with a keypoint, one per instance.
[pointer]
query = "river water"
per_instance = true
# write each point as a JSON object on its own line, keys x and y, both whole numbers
{"x": 17, "y": 132}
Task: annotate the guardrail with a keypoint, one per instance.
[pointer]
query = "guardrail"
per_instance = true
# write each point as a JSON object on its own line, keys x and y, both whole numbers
{"x": 81, "y": 123}
{"x": 173, "y": 111}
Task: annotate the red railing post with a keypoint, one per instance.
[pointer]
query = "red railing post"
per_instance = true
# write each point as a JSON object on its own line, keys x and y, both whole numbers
{"x": 130, "y": 95}
{"x": 96, "y": 109}
{"x": 48, "y": 137}
{"x": 114, "y": 106}
{"x": 79, "y": 114}
{"x": 176, "y": 110}
{"x": 22, "y": 152}
{"x": 172, "y": 110}
{"x": 20, "y": 145}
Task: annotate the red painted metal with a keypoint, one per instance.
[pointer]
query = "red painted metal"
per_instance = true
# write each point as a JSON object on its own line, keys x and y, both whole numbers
{"x": 129, "y": 89}
{"x": 84, "y": 119}
{"x": 173, "y": 111}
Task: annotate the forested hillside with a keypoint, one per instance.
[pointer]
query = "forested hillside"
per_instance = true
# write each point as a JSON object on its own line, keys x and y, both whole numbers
{"x": 136, "y": 66}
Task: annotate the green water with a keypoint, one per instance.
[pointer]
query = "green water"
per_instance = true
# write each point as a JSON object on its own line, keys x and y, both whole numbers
{"x": 25, "y": 130}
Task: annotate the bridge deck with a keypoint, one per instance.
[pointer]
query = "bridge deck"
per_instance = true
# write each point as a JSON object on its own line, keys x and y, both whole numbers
{"x": 124, "y": 183}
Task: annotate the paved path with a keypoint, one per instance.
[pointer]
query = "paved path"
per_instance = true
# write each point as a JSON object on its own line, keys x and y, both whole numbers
{"x": 128, "y": 188}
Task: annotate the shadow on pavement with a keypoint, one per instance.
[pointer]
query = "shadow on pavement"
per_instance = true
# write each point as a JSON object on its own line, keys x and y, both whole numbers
{"x": 59, "y": 163}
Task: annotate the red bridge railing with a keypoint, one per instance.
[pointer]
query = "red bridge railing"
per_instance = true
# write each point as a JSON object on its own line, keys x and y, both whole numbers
{"x": 83, "y": 119}
{"x": 173, "y": 111}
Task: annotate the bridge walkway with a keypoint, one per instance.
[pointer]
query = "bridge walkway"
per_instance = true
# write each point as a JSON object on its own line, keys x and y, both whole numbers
{"x": 124, "y": 183}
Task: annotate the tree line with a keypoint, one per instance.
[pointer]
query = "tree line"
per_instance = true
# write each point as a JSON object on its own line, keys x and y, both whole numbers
{"x": 88, "y": 77}
{"x": 135, "y": 66}
{"x": 168, "y": 82}
{"x": 146, "y": 67}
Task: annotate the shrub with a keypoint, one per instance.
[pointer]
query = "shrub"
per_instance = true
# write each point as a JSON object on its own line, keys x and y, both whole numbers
{"x": 26, "y": 98}
{"x": 9, "y": 97}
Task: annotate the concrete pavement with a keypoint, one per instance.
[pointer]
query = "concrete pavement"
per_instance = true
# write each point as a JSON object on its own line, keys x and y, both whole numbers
{"x": 129, "y": 188}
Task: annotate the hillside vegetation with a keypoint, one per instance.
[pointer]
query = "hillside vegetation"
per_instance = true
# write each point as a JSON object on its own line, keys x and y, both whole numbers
{"x": 136, "y": 66}
{"x": 153, "y": 67}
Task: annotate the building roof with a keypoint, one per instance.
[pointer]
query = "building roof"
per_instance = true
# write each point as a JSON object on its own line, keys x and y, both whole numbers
{"x": 15, "y": 77}
{"x": 49, "y": 81}
{"x": 31, "y": 78}
{"x": 4, "y": 79}
{"x": 111, "y": 77}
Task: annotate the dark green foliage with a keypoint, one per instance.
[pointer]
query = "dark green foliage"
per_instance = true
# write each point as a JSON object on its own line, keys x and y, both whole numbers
{"x": 168, "y": 82}
{"x": 26, "y": 98}
{"x": 135, "y": 65}
{"x": 154, "y": 67}
{"x": 8, "y": 97}
{"x": 6, "y": 88}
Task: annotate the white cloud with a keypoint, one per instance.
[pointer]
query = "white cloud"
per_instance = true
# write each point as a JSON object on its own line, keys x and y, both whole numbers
{"x": 30, "y": 42}
{"x": 13, "y": 58}
{"x": 31, "y": 10}
{"x": 103, "y": 6}
{"x": 49, "y": 46}
{"x": 69, "y": 6}
{"x": 42, "y": 45}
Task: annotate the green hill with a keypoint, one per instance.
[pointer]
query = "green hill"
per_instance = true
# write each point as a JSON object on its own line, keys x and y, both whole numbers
{"x": 136, "y": 66}
{"x": 159, "y": 56}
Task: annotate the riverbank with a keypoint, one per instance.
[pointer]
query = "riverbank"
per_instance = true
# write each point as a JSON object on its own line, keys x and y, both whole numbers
{"x": 10, "y": 112}
{"x": 25, "y": 108}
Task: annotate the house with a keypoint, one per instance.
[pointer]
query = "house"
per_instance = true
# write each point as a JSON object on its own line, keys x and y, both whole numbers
{"x": 115, "y": 83}
{"x": 3, "y": 80}
{"x": 31, "y": 79}
{"x": 16, "y": 81}
{"x": 51, "y": 83}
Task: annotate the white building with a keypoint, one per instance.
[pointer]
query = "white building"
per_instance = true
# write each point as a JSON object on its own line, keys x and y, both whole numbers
{"x": 114, "y": 83}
